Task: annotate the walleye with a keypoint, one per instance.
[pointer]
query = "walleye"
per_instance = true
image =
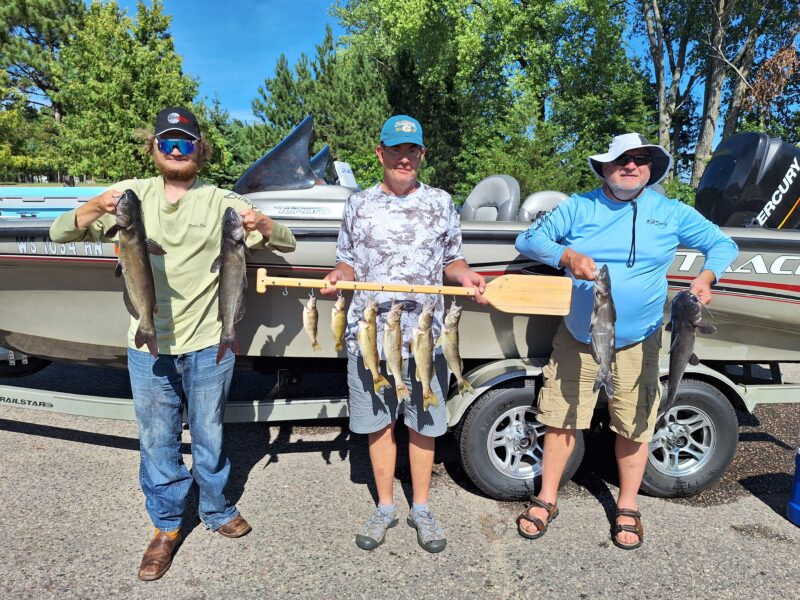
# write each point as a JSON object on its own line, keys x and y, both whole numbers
{"x": 232, "y": 280}
{"x": 393, "y": 349}
{"x": 134, "y": 265}
{"x": 604, "y": 315}
{"x": 422, "y": 348}
{"x": 449, "y": 343}
{"x": 685, "y": 320}
{"x": 310, "y": 320}
{"x": 339, "y": 322}
{"x": 368, "y": 344}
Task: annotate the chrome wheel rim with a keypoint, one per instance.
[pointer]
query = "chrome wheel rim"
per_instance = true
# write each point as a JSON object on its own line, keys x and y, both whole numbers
{"x": 684, "y": 444}
{"x": 514, "y": 443}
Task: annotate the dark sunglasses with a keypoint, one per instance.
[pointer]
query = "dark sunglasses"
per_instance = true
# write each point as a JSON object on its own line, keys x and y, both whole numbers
{"x": 639, "y": 160}
{"x": 184, "y": 146}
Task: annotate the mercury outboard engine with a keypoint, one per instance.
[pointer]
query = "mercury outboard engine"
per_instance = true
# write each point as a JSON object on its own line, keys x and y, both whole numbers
{"x": 752, "y": 180}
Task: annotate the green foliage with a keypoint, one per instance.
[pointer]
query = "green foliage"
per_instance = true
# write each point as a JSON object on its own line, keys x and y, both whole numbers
{"x": 679, "y": 190}
{"x": 113, "y": 76}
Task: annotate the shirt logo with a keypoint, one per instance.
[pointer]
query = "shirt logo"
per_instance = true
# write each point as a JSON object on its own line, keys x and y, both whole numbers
{"x": 196, "y": 226}
{"x": 655, "y": 222}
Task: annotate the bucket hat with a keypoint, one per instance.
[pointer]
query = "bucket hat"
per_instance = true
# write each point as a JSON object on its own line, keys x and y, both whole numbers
{"x": 662, "y": 161}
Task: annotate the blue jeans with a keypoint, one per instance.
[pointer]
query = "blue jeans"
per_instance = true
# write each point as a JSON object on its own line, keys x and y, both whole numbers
{"x": 160, "y": 387}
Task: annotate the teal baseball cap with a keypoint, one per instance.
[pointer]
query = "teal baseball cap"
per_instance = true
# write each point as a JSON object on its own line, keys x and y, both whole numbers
{"x": 401, "y": 129}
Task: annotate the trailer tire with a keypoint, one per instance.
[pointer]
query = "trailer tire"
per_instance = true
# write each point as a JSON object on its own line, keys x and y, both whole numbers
{"x": 695, "y": 447}
{"x": 501, "y": 424}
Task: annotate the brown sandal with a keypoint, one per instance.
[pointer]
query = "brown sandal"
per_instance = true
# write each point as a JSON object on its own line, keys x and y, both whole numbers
{"x": 636, "y": 528}
{"x": 552, "y": 513}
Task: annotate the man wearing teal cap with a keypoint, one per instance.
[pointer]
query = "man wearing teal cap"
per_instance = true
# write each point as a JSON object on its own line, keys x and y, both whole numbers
{"x": 400, "y": 231}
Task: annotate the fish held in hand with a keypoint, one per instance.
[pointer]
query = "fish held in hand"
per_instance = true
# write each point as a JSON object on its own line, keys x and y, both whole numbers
{"x": 604, "y": 315}
{"x": 368, "y": 345}
{"x": 422, "y": 349}
{"x": 310, "y": 321}
{"x": 231, "y": 264}
{"x": 339, "y": 322}
{"x": 449, "y": 342}
{"x": 134, "y": 266}
{"x": 686, "y": 320}
{"x": 393, "y": 350}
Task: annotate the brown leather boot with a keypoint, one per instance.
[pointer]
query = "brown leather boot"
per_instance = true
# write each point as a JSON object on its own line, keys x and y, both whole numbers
{"x": 236, "y": 527}
{"x": 157, "y": 558}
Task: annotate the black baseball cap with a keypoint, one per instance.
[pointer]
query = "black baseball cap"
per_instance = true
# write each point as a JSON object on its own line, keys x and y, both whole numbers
{"x": 175, "y": 118}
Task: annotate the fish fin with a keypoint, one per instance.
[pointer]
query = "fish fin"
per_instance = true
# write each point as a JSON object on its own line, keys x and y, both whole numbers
{"x": 118, "y": 270}
{"x": 239, "y": 312}
{"x": 594, "y": 355}
{"x": 464, "y": 387}
{"x": 381, "y": 383}
{"x": 706, "y": 328}
{"x": 215, "y": 266}
{"x": 674, "y": 342}
{"x": 129, "y": 305}
{"x": 429, "y": 400}
{"x": 154, "y": 247}
{"x": 114, "y": 230}
{"x": 247, "y": 251}
{"x": 141, "y": 339}
{"x": 668, "y": 326}
{"x": 693, "y": 360}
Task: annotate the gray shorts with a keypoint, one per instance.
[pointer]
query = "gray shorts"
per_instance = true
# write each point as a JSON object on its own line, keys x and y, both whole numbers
{"x": 371, "y": 412}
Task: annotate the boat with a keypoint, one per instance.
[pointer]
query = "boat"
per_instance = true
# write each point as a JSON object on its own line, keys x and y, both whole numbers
{"x": 62, "y": 302}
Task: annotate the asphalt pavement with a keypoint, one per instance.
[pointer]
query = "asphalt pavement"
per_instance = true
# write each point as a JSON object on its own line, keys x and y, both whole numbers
{"x": 74, "y": 524}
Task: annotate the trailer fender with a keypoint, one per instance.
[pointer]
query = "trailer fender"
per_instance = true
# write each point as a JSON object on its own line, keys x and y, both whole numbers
{"x": 736, "y": 394}
{"x": 487, "y": 376}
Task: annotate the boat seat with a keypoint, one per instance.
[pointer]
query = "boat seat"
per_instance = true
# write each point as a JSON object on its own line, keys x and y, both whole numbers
{"x": 539, "y": 202}
{"x": 495, "y": 198}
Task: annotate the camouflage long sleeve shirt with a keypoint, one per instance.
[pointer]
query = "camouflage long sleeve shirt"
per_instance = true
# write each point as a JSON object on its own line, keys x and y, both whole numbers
{"x": 398, "y": 239}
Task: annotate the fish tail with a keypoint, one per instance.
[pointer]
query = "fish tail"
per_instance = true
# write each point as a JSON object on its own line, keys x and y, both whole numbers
{"x": 380, "y": 383}
{"x": 315, "y": 345}
{"x": 339, "y": 346}
{"x": 143, "y": 338}
{"x": 226, "y": 342}
{"x": 464, "y": 387}
{"x": 429, "y": 399}
{"x": 402, "y": 391}
{"x": 604, "y": 379}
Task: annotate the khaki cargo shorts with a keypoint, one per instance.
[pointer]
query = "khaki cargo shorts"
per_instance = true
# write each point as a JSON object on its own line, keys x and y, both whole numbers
{"x": 566, "y": 400}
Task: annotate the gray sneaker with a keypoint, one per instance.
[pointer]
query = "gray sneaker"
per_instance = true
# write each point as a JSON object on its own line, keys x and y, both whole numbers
{"x": 429, "y": 535}
{"x": 373, "y": 532}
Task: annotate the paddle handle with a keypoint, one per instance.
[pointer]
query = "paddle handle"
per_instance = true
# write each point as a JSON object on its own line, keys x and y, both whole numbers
{"x": 263, "y": 280}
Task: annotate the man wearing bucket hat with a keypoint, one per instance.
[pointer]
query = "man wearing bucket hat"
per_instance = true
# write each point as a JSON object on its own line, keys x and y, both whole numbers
{"x": 400, "y": 231}
{"x": 635, "y": 232}
{"x": 183, "y": 215}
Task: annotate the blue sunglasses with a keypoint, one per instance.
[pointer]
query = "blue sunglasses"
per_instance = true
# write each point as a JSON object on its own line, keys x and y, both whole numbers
{"x": 184, "y": 146}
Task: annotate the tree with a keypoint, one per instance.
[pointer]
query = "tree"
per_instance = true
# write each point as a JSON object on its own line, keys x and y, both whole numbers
{"x": 113, "y": 76}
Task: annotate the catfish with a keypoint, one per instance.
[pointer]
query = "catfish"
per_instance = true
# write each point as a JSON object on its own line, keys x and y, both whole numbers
{"x": 604, "y": 316}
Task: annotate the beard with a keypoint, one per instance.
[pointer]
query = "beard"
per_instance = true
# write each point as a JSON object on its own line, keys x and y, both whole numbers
{"x": 625, "y": 191}
{"x": 176, "y": 170}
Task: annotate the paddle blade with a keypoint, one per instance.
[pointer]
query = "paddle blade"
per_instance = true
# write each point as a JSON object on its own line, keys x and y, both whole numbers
{"x": 530, "y": 294}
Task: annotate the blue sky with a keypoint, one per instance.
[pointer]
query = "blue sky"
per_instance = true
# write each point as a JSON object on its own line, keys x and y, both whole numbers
{"x": 232, "y": 45}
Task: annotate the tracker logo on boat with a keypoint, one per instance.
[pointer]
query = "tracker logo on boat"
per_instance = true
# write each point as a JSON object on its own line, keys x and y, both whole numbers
{"x": 783, "y": 264}
{"x": 778, "y": 195}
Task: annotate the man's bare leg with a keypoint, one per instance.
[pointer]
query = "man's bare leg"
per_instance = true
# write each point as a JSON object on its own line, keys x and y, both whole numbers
{"x": 421, "y": 449}
{"x": 631, "y": 461}
{"x": 558, "y": 447}
{"x": 383, "y": 456}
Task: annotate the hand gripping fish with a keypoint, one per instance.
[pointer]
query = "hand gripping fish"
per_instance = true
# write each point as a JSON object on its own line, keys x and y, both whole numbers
{"x": 339, "y": 322}
{"x": 134, "y": 266}
{"x": 310, "y": 320}
{"x": 368, "y": 345}
{"x": 604, "y": 315}
{"x": 393, "y": 349}
{"x": 685, "y": 320}
{"x": 422, "y": 349}
{"x": 232, "y": 280}
{"x": 449, "y": 343}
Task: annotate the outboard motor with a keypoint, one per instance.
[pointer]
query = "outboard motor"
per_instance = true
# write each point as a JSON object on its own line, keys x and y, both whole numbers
{"x": 538, "y": 203}
{"x": 752, "y": 180}
{"x": 495, "y": 198}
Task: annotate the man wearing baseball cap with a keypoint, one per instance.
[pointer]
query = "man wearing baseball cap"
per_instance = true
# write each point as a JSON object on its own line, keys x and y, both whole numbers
{"x": 400, "y": 231}
{"x": 183, "y": 215}
{"x": 635, "y": 232}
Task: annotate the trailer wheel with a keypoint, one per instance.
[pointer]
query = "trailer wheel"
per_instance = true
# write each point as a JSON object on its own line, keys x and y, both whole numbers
{"x": 500, "y": 443}
{"x": 34, "y": 365}
{"x": 696, "y": 445}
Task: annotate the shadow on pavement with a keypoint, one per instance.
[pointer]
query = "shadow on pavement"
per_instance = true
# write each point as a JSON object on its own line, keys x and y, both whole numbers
{"x": 772, "y": 489}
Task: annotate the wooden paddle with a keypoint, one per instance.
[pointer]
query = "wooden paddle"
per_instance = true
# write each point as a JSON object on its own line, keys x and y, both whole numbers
{"x": 522, "y": 294}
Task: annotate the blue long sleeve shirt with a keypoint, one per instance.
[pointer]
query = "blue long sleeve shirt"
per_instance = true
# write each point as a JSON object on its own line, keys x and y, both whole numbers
{"x": 600, "y": 227}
